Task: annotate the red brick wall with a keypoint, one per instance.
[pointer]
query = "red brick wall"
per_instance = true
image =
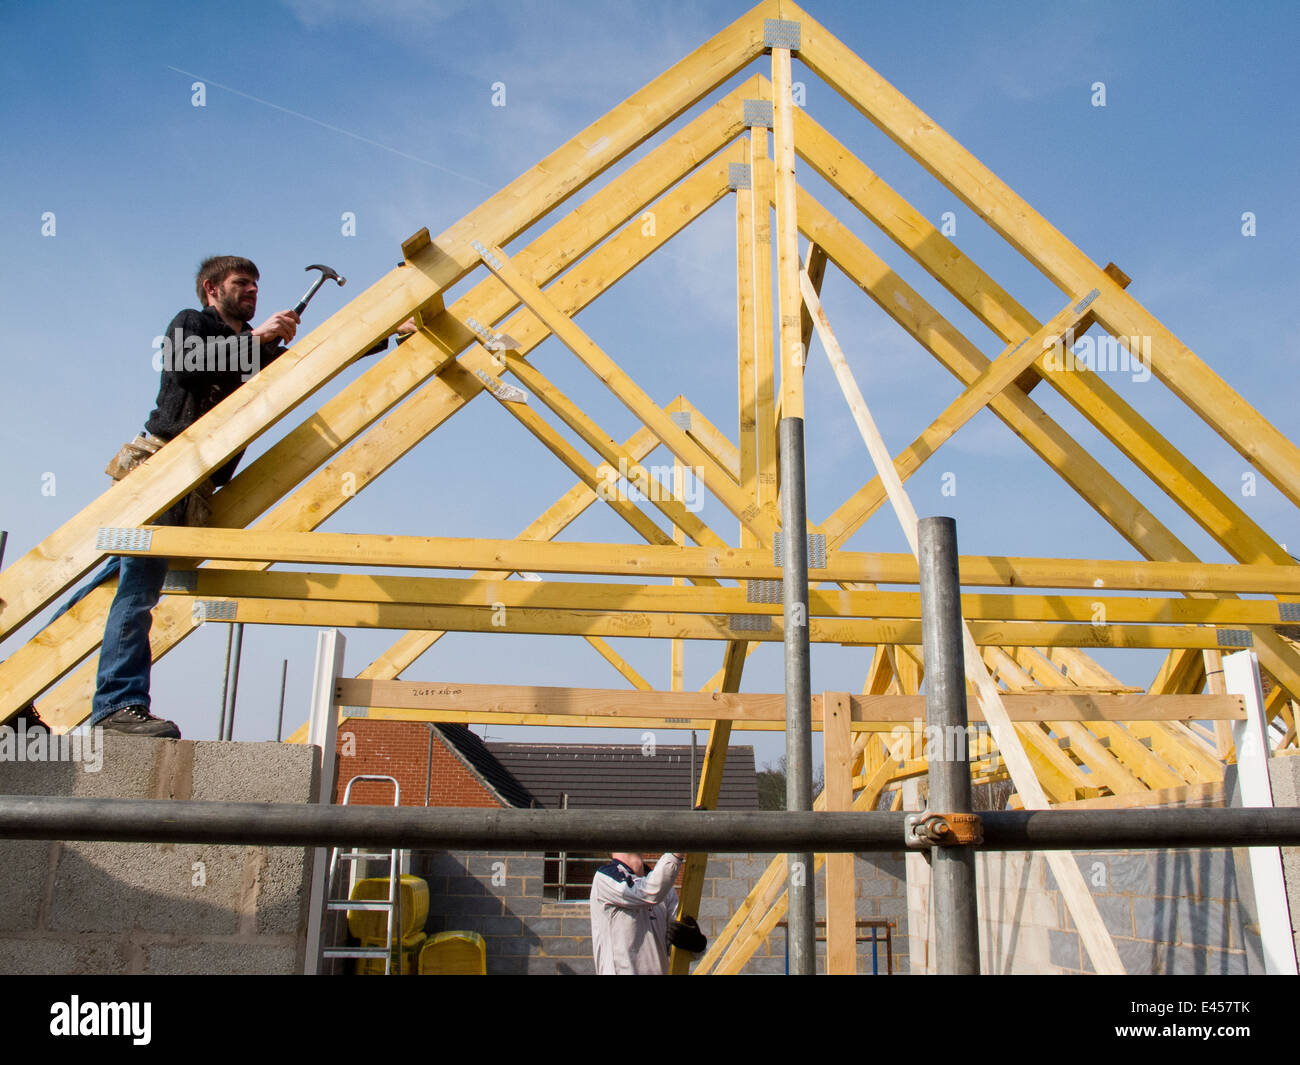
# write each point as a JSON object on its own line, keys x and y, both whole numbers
{"x": 401, "y": 749}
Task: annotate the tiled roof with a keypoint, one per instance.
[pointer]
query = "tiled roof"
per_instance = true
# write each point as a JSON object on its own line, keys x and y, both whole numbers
{"x": 623, "y": 776}
{"x": 472, "y": 749}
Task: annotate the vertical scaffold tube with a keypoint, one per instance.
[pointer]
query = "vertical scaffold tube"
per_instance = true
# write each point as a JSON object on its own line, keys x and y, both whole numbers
{"x": 956, "y": 926}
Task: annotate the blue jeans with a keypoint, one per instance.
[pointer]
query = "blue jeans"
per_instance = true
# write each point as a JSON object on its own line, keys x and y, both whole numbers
{"x": 125, "y": 658}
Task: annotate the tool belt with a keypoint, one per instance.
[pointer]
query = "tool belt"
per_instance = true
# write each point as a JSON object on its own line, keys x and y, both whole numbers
{"x": 198, "y": 504}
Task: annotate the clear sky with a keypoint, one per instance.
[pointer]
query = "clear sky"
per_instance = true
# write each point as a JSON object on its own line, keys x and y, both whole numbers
{"x": 315, "y": 108}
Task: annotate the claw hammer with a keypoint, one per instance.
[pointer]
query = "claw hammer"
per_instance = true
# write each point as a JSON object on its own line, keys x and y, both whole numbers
{"x": 325, "y": 272}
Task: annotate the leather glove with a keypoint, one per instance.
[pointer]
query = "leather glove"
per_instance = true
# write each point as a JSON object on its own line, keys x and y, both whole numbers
{"x": 686, "y": 935}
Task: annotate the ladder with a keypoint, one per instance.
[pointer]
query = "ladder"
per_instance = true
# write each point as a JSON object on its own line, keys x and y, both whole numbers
{"x": 393, "y": 905}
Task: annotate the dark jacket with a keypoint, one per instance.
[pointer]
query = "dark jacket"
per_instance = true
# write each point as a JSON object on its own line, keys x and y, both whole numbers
{"x": 197, "y": 374}
{"x": 203, "y": 361}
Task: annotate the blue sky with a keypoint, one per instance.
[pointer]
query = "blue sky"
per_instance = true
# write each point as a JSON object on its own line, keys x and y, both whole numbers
{"x": 314, "y": 109}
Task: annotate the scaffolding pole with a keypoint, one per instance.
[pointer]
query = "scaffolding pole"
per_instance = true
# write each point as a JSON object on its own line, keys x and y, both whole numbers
{"x": 952, "y": 868}
{"x": 440, "y": 828}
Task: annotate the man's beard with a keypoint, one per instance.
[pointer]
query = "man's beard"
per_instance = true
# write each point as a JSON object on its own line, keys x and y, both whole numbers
{"x": 231, "y": 307}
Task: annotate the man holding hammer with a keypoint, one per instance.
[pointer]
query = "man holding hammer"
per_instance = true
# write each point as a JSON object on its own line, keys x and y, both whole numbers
{"x": 204, "y": 356}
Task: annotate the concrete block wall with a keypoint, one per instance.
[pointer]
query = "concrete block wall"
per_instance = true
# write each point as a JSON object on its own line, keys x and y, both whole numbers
{"x": 1168, "y": 912}
{"x": 1284, "y": 773}
{"x": 881, "y": 894}
{"x": 1179, "y": 912}
{"x": 499, "y": 896}
{"x": 94, "y": 908}
{"x": 526, "y": 933}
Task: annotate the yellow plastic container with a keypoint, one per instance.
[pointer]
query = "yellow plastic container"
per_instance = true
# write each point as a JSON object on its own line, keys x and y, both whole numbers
{"x": 375, "y": 966}
{"x": 454, "y": 954}
{"x": 373, "y": 924}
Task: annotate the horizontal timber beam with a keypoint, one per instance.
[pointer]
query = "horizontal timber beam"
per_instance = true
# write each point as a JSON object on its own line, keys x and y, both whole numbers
{"x": 351, "y": 549}
{"x": 850, "y": 632}
{"x": 491, "y": 699}
{"x": 574, "y": 595}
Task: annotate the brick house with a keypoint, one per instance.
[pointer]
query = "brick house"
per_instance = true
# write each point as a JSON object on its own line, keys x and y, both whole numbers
{"x": 435, "y": 765}
{"x": 532, "y": 908}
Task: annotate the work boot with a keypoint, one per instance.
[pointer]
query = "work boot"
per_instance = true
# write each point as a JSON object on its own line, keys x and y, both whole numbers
{"x": 30, "y": 716}
{"x": 137, "y": 721}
